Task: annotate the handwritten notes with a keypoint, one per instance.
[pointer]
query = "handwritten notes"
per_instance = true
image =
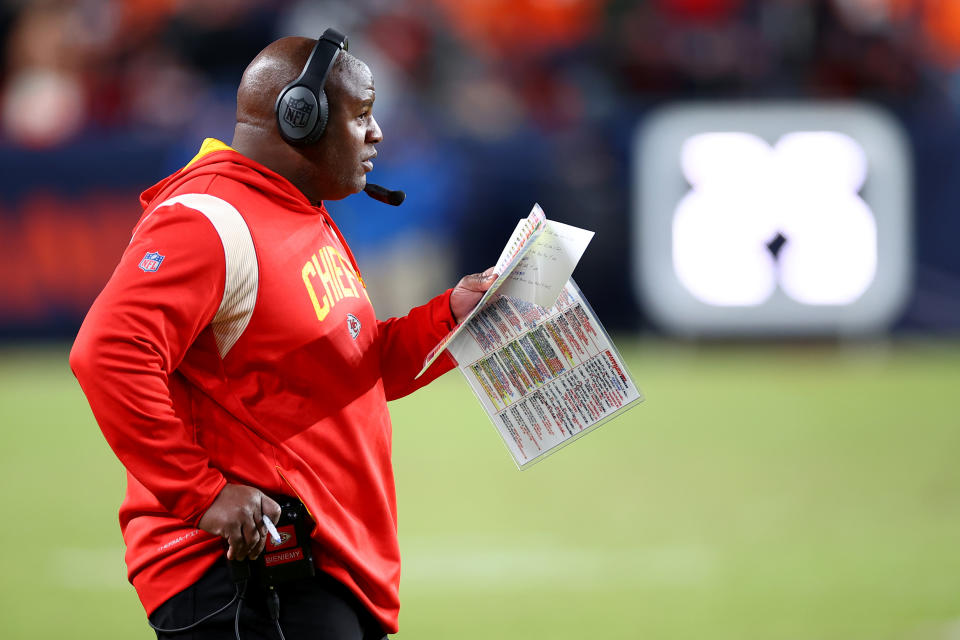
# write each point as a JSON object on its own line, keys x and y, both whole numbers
{"x": 546, "y": 266}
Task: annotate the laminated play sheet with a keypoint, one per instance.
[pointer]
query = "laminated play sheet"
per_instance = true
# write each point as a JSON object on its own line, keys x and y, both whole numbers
{"x": 534, "y": 352}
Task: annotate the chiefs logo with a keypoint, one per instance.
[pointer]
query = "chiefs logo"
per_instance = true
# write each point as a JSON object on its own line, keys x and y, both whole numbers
{"x": 287, "y": 538}
{"x": 353, "y": 325}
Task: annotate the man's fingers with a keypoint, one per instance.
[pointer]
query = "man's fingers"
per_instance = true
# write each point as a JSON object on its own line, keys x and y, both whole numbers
{"x": 256, "y": 500}
{"x": 234, "y": 536}
{"x": 469, "y": 291}
{"x": 257, "y": 550}
{"x": 270, "y": 508}
{"x": 251, "y": 535}
{"x": 250, "y": 524}
{"x": 479, "y": 281}
{"x": 237, "y": 515}
{"x": 486, "y": 278}
{"x": 257, "y": 515}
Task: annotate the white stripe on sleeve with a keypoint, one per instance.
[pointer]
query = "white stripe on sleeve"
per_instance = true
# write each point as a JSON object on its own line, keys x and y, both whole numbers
{"x": 242, "y": 271}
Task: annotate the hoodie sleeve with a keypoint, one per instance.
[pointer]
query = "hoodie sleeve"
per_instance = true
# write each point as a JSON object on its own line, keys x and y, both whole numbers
{"x": 162, "y": 296}
{"x": 405, "y": 343}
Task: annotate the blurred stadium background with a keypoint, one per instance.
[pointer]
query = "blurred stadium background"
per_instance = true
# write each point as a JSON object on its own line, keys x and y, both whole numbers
{"x": 793, "y": 472}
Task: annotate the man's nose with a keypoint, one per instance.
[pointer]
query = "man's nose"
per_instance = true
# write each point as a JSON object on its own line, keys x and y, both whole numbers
{"x": 374, "y": 134}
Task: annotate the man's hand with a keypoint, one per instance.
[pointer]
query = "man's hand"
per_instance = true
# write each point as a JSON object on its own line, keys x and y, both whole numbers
{"x": 468, "y": 292}
{"x": 237, "y": 515}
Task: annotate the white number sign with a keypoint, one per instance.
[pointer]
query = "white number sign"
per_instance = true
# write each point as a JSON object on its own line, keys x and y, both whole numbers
{"x": 759, "y": 217}
{"x": 772, "y": 219}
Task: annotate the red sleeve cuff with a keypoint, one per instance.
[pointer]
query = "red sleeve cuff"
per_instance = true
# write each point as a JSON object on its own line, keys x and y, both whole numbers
{"x": 194, "y": 518}
{"x": 443, "y": 313}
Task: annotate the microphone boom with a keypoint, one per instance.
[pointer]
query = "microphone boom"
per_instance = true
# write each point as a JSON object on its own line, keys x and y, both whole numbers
{"x": 384, "y": 195}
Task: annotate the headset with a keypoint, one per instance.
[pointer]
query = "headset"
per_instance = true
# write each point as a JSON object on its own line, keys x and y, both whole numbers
{"x": 302, "y": 109}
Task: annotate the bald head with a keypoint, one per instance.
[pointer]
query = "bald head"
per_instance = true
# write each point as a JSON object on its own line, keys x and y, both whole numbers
{"x": 350, "y": 92}
{"x": 268, "y": 73}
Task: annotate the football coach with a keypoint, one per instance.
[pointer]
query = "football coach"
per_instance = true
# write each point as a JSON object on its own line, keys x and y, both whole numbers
{"x": 235, "y": 366}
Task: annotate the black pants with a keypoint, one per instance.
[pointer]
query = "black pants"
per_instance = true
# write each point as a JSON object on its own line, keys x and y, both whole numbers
{"x": 318, "y": 608}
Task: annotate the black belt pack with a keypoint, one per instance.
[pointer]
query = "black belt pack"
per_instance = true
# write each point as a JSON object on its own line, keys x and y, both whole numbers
{"x": 292, "y": 557}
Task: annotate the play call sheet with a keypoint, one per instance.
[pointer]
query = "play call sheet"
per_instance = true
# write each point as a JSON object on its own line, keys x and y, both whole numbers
{"x": 544, "y": 376}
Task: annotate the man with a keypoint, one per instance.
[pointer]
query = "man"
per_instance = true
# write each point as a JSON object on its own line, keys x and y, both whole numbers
{"x": 234, "y": 355}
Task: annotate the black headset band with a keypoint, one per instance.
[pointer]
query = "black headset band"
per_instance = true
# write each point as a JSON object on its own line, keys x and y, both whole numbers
{"x": 320, "y": 62}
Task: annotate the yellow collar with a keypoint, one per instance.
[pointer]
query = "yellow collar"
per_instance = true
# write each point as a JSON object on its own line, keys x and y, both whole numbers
{"x": 209, "y": 146}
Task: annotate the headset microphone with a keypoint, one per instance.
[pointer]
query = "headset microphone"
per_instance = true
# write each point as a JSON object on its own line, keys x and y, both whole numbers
{"x": 384, "y": 195}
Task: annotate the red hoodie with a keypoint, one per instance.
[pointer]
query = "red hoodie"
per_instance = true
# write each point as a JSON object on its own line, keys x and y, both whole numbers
{"x": 235, "y": 342}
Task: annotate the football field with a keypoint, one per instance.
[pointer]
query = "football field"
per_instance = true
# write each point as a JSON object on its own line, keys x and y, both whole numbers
{"x": 770, "y": 491}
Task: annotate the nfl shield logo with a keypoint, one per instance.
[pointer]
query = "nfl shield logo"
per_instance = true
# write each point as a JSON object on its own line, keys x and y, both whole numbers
{"x": 298, "y": 112}
{"x": 151, "y": 261}
{"x": 353, "y": 325}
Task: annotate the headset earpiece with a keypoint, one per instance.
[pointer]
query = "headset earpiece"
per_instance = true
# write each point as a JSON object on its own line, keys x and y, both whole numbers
{"x": 302, "y": 108}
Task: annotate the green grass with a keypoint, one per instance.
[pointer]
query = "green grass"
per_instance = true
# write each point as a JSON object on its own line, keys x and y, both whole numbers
{"x": 771, "y": 492}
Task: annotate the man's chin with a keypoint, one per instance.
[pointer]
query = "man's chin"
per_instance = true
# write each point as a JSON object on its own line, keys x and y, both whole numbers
{"x": 360, "y": 184}
{"x": 348, "y": 190}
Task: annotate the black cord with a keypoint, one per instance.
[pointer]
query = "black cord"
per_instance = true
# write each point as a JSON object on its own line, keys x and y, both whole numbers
{"x": 237, "y": 595}
{"x": 236, "y": 616}
{"x": 273, "y": 604}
